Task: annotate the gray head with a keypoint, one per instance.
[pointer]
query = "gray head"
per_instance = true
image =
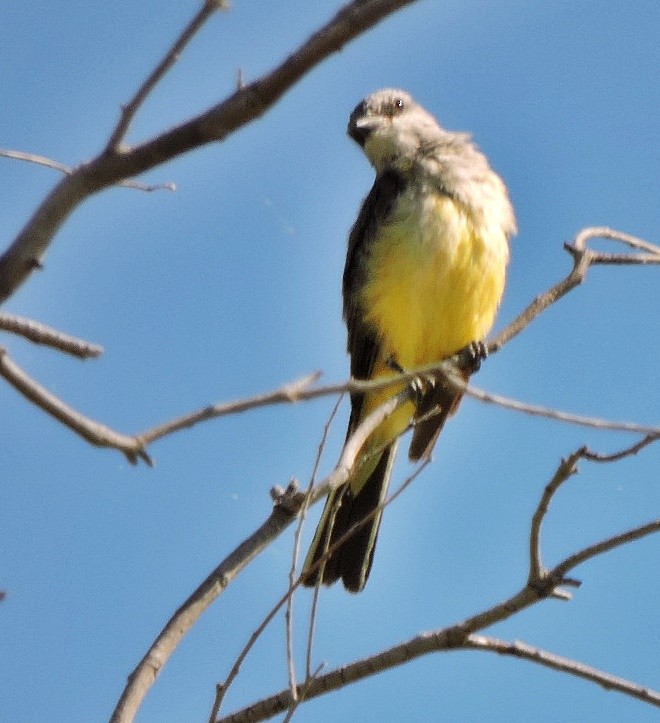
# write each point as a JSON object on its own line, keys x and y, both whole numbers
{"x": 396, "y": 132}
{"x": 391, "y": 127}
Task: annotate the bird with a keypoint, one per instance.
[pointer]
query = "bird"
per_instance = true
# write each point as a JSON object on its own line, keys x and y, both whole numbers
{"x": 424, "y": 276}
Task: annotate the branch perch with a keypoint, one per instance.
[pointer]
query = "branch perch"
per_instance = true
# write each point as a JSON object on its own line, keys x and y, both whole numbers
{"x": 303, "y": 389}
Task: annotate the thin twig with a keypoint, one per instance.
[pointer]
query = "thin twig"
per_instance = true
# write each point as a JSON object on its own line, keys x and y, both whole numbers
{"x": 130, "y": 109}
{"x": 302, "y": 390}
{"x": 291, "y": 665}
{"x": 454, "y": 637}
{"x": 144, "y": 675}
{"x": 519, "y": 649}
{"x": 68, "y": 170}
{"x": 94, "y": 432}
{"x": 583, "y": 258}
{"x": 34, "y": 158}
{"x": 592, "y": 232}
{"x": 135, "y": 446}
{"x": 308, "y": 654}
{"x": 282, "y": 601}
{"x": 603, "y": 546}
{"x": 621, "y": 454}
{"x": 566, "y": 469}
{"x": 316, "y": 594}
{"x": 337, "y": 477}
{"x": 39, "y": 333}
{"x": 300, "y": 698}
{"x": 298, "y": 390}
{"x": 538, "y": 575}
{"x": 541, "y": 584}
{"x": 288, "y": 615}
{"x": 561, "y": 416}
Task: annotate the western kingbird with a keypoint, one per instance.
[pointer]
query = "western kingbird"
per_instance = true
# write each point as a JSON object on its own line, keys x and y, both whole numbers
{"x": 424, "y": 275}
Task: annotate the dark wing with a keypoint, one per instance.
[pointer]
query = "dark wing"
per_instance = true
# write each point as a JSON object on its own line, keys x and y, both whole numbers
{"x": 363, "y": 341}
{"x": 351, "y": 560}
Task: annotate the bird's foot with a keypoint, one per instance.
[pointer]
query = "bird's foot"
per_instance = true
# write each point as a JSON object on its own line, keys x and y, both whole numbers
{"x": 472, "y": 355}
{"x": 419, "y": 385}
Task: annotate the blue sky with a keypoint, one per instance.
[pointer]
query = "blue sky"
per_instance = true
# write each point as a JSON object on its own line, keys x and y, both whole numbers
{"x": 231, "y": 286}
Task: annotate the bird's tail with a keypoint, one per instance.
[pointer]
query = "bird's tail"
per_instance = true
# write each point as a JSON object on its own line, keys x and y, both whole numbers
{"x": 351, "y": 560}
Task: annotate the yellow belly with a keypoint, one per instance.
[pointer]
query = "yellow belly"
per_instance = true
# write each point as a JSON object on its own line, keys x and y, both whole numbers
{"x": 434, "y": 283}
{"x": 435, "y": 280}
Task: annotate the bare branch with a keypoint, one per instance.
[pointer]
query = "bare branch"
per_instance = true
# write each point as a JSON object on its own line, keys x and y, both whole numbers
{"x": 130, "y": 109}
{"x": 518, "y": 649}
{"x": 287, "y": 507}
{"x": 115, "y": 165}
{"x": 337, "y": 477}
{"x": 294, "y": 391}
{"x": 585, "y": 235}
{"x": 244, "y": 105}
{"x": 538, "y": 575}
{"x": 302, "y": 390}
{"x": 456, "y": 636}
{"x": 559, "y": 572}
{"x": 56, "y": 165}
{"x": 566, "y": 469}
{"x": 39, "y": 333}
{"x": 453, "y": 637}
{"x": 291, "y": 667}
{"x": 184, "y": 618}
{"x": 221, "y": 690}
{"x": 315, "y": 599}
{"x": 298, "y": 699}
{"x": 541, "y": 584}
{"x": 583, "y": 258}
{"x": 33, "y": 158}
{"x": 144, "y": 675}
{"x": 616, "y": 456}
{"x": 550, "y": 413}
{"x": 94, "y": 432}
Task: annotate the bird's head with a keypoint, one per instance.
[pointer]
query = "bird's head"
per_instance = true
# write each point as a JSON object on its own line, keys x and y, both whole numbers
{"x": 392, "y": 128}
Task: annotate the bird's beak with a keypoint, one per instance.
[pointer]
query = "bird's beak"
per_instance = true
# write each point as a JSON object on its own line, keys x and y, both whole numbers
{"x": 359, "y": 131}
{"x": 361, "y": 125}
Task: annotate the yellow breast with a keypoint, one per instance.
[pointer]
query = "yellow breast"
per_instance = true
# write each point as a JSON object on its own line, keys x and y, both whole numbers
{"x": 435, "y": 277}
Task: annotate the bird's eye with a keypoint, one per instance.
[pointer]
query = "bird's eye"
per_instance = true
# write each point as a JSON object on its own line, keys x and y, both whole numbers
{"x": 395, "y": 106}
